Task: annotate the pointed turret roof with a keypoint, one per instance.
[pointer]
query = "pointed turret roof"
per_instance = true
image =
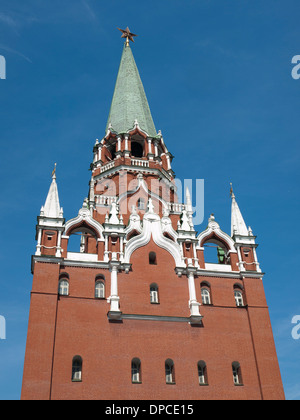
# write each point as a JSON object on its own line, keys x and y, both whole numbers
{"x": 238, "y": 225}
{"x": 129, "y": 104}
{"x": 52, "y": 207}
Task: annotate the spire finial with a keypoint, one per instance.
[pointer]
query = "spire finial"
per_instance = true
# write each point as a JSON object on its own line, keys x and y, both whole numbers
{"x": 54, "y": 171}
{"x": 231, "y": 191}
{"x": 128, "y": 35}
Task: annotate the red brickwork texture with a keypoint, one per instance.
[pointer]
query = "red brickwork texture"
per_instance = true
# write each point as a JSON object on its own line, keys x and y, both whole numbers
{"x": 63, "y": 327}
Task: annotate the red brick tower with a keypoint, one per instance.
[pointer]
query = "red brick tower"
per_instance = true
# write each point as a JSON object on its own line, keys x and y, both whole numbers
{"x": 138, "y": 312}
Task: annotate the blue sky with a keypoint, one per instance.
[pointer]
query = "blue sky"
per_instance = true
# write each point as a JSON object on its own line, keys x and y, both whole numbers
{"x": 217, "y": 75}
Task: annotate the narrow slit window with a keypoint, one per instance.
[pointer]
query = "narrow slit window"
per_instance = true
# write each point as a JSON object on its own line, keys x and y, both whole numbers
{"x": 77, "y": 369}
{"x": 237, "y": 376}
{"x": 136, "y": 371}
{"x": 152, "y": 258}
{"x": 202, "y": 373}
{"x": 154, "y": 293}
{"x": 169, "y": 372}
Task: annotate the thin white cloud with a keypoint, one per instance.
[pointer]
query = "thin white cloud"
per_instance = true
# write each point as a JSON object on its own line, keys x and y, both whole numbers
{"x": 8, "y": 20}
{"x": 292, "y": 392}
{"x": 10, "y": 50}
{"x": 222, "y": 51}
{"x": 89, "y": 9}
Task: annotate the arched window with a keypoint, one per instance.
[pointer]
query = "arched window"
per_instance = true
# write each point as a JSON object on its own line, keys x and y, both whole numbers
{"x": 82, "y": 240}
{"x": 237, "y": 375}
{"x": 141, "y": 204}
{"x": 152, "y": 258}
{"x": 77, "y": 369}
{"x": 202, "y": 373}
{"x": 238, "y": 295}
{"x": 99, "y": 289}
{"x": 169, "y": 371}
{"x": 112, "y": 149}
{"x": 63, "y": 287}
{"x": 154, "y": 293}
{"x": 205, "y": 294}
{"x": 136, "y": 371}
{"x": 137, "y": 149}
{"x": 215, "y": 252}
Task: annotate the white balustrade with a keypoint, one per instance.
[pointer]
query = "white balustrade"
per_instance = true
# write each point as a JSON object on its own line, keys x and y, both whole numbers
{"x": 106, "y": 167}
{"x": 138, "y": 162}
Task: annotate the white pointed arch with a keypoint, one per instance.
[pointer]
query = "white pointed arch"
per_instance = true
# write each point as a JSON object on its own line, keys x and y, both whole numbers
{"x": 152, "y": 229}
{"x": 214, "y": 234}
{"x": 84, "y": 218}
{"x": 136, "y": 129}
{"x": 142, "y": 185}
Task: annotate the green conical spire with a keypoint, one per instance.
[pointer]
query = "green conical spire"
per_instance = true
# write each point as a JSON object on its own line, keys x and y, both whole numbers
{"x": 129, "y": 101}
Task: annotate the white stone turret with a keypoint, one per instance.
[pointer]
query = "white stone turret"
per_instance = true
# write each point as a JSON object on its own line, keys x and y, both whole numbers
{"x": 51, "y": 218}
{"x": 244, "y": 239}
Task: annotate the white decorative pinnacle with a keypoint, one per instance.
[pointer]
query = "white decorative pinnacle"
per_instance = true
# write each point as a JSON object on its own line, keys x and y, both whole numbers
{"x": 52, "y": 208}
{"x": 188, "y": 200}
{"x": 84, "y": 211}
{"x": 150, "y": 206}
{"x": 133, "y": 210}
{"x": 113, "y": 219}
{"x": 238, "y": 225}
{"x": 134, "y": 216}
{"x": 166, "y": 212}
{"x": 189, "y": 208}
{"x": 185, "y": 225}
{"x": 212, "y": 224}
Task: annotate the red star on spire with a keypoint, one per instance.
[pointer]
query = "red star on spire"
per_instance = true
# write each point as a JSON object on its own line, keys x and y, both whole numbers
{"x": 127, "y": 34}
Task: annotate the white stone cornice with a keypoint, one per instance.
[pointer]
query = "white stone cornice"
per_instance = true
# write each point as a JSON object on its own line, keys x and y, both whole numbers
{"x": 115, "y": 170}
